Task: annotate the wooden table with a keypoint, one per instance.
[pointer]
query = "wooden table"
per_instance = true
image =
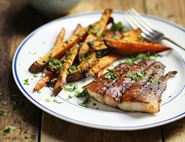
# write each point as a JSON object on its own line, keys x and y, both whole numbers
{"x": 17, "y": 20}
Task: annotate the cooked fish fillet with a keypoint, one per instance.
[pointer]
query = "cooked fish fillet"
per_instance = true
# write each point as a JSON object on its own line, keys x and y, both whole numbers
{"x": 141, "y": 95}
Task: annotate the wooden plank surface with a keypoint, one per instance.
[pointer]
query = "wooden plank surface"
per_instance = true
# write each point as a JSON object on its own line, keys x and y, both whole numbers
{"x": 20, "y": 113}
{"x": 30, "y": 124}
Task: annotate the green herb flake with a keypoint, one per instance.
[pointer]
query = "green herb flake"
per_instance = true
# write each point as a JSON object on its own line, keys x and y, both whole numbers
{"x": 110, "y": 68}
{"x": 70, "y": 88}
{"x": 78, "y": 35}
{"x": 111, "y": 75}
{"x": 72, "y": 69}
{"x": 77, "y": 92}
{"x": 8, "y": 129}
{"x": 153, "y": 81}
{"x": 2, "y": 113}
{"x": 102, "y": 53}
{"x": 35, "y": 75}
{"x": 26, "y": 81}
{"x": 55, "y": 63}
{"x": 85, "y": 95}
{"x": 70, "y": 97}
{"x": 16, "y": 102}
{"x": 47, "y": 100}
{"x": 142, "y": 56}
{"x": 117, "y": 26}
{"x": 138, "y": 76}
{"x": 85, "y": 58}
{"x": 56, "y": 101}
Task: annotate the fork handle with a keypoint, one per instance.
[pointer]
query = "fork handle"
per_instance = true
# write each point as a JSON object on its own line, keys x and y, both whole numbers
{"x": 165, "y": 38}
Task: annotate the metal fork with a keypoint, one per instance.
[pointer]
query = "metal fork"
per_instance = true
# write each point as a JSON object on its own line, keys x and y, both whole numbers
{"x": 149, "y": 33}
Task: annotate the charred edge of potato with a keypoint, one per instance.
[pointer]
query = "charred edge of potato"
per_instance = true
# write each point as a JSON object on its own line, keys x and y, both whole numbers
{"x": 36, "y": 67}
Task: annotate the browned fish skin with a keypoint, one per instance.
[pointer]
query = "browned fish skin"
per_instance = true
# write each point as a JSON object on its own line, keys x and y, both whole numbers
{"x": 118, "y": 87}
{"x": 98, "y": 89}
{"x": 141, "y": 95}
{"x": 161, "y": 87}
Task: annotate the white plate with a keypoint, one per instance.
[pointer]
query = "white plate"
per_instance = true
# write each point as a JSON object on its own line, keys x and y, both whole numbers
{"x": 41, "y": 40}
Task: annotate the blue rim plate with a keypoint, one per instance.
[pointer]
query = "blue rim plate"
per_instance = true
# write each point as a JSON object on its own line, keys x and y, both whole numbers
{"x": 41, "y": 40}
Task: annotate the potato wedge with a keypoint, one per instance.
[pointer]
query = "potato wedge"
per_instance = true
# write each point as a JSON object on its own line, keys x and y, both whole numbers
{"x": 61, "y": 80}
{"x": 59, "y": 49}
{"x": 97, "y": 69}
{"x": 49, "y": 76}
{"x": 95, "y": 31}
{"x": 99, "y": 27}
{"x": 82, "y": 68}
{"x": 133, "y": 48}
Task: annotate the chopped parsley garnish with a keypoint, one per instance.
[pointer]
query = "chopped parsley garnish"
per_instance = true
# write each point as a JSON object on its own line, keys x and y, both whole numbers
{"x": 70, "y": 97}
{"x": 117, "y": 26}
{"x": 16, "y": 101}
{"x": 9, "y": 128}
{"x": 96, "y": 31}
{"x": 2, "y": 113}
{"x": 110, "y": 69}
{"x": 138, "y": 76}
{"x": 35, "y": 75}
{"x": 26, "y": 81}
{"x": 140, "y": 73}
{"x": 102, "y": 53}
{"x": 72, "y": 69}
{"x": 86, "y": 57}
{"x": 111, "y": 75}
{"x": 55, "y": 64}
{"x": 84, "y": 94}
{"x": 78, "y": 35}
{"x": 142, "y": 56}
{"x": 56, "y": 101}
{"x": 153, "y": 81}
{"x": 70, "y": 88}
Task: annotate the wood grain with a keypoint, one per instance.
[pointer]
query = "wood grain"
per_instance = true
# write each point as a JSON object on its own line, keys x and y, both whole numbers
{"x": 56, "y": 130}
{"x": 174, "y": 12}
{"x": 14, "y": 26}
